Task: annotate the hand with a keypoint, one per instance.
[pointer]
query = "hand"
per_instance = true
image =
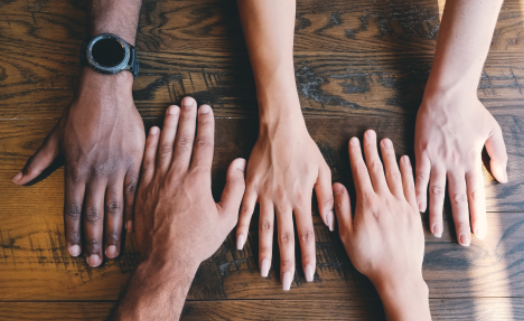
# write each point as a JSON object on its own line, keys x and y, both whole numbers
{"x": 451, "y": 132}
{"x": 100, "y": 136}
{"x": 384, "y": 239}
{"x": 178, "y": 224}
{"x": 284, "y": 166}
{"x": 176, "y": 216}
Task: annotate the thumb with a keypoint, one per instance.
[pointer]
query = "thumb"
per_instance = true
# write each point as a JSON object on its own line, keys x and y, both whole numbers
{"x": 497, "y": 153}
{"x": 343, "y": 210}
{"x": 234, "y": 190}
{"x": 40, "y": 160}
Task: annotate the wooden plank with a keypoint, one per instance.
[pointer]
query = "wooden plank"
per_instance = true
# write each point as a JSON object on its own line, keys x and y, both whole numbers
{"x": 34, "y": 264}
{"x": 481, "y": 309}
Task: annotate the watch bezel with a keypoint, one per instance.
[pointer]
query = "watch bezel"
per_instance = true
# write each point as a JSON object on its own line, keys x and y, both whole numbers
{"x": 123, "y": 65}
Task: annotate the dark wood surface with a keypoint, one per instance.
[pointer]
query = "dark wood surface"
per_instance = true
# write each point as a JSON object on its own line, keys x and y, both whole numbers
{"x": 359, "y": 64}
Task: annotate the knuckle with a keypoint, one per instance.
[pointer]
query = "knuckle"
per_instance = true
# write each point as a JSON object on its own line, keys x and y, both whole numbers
{"x": 246, "y": 209}
{"x": 422, "y": 177}
{"x": 74, "y": 237}
{"x": 459, "y": 198}
{"x": 184, "y": 141}
{"x": 287, "y": 264}
{"x": 73, "y": 211}
{"x": 76, "y": 174}
{"x": 92, "y": 214}
{"x": 307, "y": 236}
{"x": 113, "y": 238}
{"x": 265, "y": 226}
{"x": 375, "y": 166}
{"x": 265, "y": 250}
{"x": 165, "y": 150}
{"x": 113, "y": 207}
{"x": 436, "y": 190}
{"x": 148, "y": 165}
{"x": 286, "y": 238}
{"x": 92, "y": 244}
{"x": 361, "y": 169}
{"x": 132, "y": 186}
{"x": 204, "y": 143}
{"x": 281, "y": 195}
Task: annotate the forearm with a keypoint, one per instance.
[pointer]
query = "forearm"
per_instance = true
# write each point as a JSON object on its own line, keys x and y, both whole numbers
{"x": 156, "y": 292}
{"x": 463, "y": 43}
{"x": 405, "y": 300}
{"x": 269, "y": 29}
{"x": 119, "y": 17}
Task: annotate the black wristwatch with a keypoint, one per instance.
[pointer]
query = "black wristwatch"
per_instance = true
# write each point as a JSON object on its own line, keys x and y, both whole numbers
{"x": 109, "y": 54}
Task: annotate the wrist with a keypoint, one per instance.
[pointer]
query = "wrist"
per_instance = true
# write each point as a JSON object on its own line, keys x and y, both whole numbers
{"x": 441, "y": 84}
{"x": 95, "y": 84}
{"x": 404, "y": 298}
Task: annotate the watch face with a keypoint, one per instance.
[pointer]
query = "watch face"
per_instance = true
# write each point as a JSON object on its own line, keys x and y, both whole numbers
{"x": 108, "y": 53}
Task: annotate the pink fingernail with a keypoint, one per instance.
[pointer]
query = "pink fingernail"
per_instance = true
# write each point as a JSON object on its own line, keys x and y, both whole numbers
{"x": 309, "y": 272}
{"x": 435, "y": 231}
{"x": 111, "y": 252}
{"x": 287, "y": 278}
{"x": 464, "y": 240}
{"x": 354, "y": 141}
{"x": 264, "y": 267}
{"x": 241, "y": 164}
{"x": 240, "y": 242}
{"x": 154, "y": 130}
{"x": 129, "y": 226}
{"x": 17, "y": 177}
{"x": 74, "y": 250}
{"x": 204, "y": 109}
{"x": 94, "y": 260}
{"x": 330, "y": 218}
{"x": 387, "y": 143}
{"x": 173, "y": 110}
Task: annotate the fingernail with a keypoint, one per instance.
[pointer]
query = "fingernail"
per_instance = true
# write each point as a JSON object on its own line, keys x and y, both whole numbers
{"x": 204, "y": 109}
{"x": 74, "y": 250}
{"x": 129, "y": 226}
{"x": 173, "y": 110}
{"x": 94, "y": 260}
{"x": 240, "y": 242}
{"x": 309, "y": 271}
{"x": 435, "y": 231}
{"x": 370, "y": 134}
{"x": 17, "y": 177}
{"x": 480, "y": 233}
{"x": 264, "y": 267}
{"x": 287, "y": 278}
{"x": 111, "y": 251}
{"x": 387, "y": 143}
{"x": 188, "y": 101}
{"x": 330, "y": 218}
{"x": 154, "y": 130}
{"x": 420, "y": 207}
{"x": 464, "y": 240}
{"x": 241, "y": 164}
{"x": 405, "y": 159}
{"x": 354, "y": 141}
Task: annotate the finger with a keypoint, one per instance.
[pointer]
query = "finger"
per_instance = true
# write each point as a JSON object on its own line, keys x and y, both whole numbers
{"x": 423, "y": 170}
{"x": 205, "y": 140}
{"x": 167, "y": 139}
{"x": 375, "y": 168}
{"x": 265, "y": 234}
{"x": 497, "y": 152}
{"x": 437, "y": 187}
{"x": 459, "y": 206}
{"x": 286, "y": 242}
{"x": 477, "y": 201}
{"x": 73, "y": 202}
{"x": 233, "y": 191}
{"x": 393, "y": 177}
{"x": 185, "y": 137}
{"x": 40, "y": 160}
{"x": 246, "y": 212}
{"x": 148, "y": 163}
{"x": 94, "y": 223}
{"x": 113, "y": 215}
{"x": 306, "y": 237}
{"x": 359, "y": 169}
{"x": 325, "y": 196}
{"x": 408, "y": 183}
{"x": 343, "y": 211}
{"x": 130, "y": 188}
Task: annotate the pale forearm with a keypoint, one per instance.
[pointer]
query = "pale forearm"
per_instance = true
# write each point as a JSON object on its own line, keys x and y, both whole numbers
{"x": 269, "y": 29}
{"x": 156, "y": 292}
{"x": 463, "y": 44}
{"x": 119, "y": 17}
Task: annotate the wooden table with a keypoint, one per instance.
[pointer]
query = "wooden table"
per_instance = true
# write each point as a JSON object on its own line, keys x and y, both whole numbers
{"x": 359, "y": 64}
